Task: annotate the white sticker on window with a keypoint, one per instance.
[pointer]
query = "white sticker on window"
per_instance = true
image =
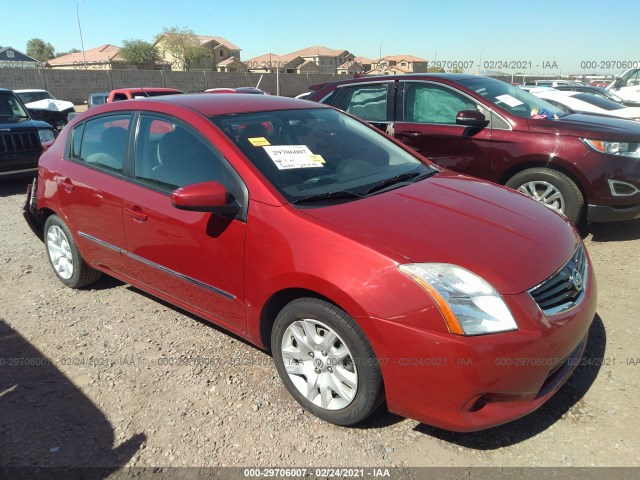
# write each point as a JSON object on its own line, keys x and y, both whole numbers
{"x": 509, "y": 100}
{"x": 293, "y": 156}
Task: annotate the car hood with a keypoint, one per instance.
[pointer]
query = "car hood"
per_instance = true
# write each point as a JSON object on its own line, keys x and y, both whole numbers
{"x": 23, "y": 125}
{"x": 48, "y": 104}
{"x": 508, "y": 239}
{"x": 588, "y": 125}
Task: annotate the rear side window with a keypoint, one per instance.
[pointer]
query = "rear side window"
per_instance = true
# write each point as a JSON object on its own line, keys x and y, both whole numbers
{"x": 102, "y": 142}
{"x": 366, "y": 102}
{"x": 427, "y": 103}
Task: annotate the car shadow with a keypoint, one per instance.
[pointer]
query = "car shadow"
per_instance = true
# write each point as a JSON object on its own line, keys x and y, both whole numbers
{"x": 611, "y": 232}
{"x": 14, "y": 186}
{"x": 618, "y": 231}
{"x": 46, "y": 421}
{"x": 548, "y": 414}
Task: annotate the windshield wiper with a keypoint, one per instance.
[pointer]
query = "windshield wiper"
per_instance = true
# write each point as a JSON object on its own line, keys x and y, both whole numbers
{"x": 403, "y": 177}
{"x": 339, "y": 195}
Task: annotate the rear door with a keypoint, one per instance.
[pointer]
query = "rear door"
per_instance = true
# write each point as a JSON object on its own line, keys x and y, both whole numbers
{"x": 194, "y": 259}
{"x": 426, "y": 121}
{"x": 90, "y": 183}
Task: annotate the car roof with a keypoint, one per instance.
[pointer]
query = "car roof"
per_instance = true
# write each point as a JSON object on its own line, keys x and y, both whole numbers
{"x": 454, "y": 77}
{"x": 146, "y": 89}
{"x": 29, "y": 90}
{"x": 209, "y": 105}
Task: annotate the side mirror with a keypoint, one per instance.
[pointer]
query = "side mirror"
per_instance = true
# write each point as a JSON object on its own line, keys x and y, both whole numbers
{"x": 204, "y": 197}
{"x": 617, "y": 84}
{"x": 471, "y": 118}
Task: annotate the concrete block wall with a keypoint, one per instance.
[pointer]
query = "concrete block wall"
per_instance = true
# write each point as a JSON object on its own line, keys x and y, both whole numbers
{"x": 76, "y": 85}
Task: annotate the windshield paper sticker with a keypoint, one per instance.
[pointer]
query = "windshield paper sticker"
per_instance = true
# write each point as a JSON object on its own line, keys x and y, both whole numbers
{"x": 293, "y": 156}
{"x": 259, "y": 141}
{"x": 509, "y": 100}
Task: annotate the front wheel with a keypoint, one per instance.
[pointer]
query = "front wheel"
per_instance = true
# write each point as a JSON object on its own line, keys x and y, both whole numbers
{"x": 65, "y": 259}
{"x": 551, "y": 188}
{"x": 326, "y": 362}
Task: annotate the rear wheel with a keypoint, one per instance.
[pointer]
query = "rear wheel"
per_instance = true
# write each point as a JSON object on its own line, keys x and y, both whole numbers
{"x": 326, "y": 362}
{"x": 551, "y": 188}
{"x": 68, "y": 265}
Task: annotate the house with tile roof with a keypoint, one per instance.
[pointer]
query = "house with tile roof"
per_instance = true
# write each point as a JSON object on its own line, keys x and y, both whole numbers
{"x": 316, "y": 59}
{"x": 398, "y": 65}
{"x": 231, "y": 64}
{"x": 99, "y": 58}
{"x": 12, "y": 58}
{"x": 271, "y": 62}
{"x": 219, "y": 50}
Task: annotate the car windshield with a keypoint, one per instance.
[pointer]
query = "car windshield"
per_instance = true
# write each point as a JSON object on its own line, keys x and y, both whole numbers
{"x": 28, "y": 97}
{"x": 320, "y": 155}
{"x": 598, "y": 101}
{"x": 10, "y": 108}
{"x": 512, "y": 99}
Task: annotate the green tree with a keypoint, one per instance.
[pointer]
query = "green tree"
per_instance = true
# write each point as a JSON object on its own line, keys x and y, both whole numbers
{"x": 40, "y": 50}
{"x": 73, "y": 50}
{"x": 183, "y": 45}
{"x": 139, "y": 52}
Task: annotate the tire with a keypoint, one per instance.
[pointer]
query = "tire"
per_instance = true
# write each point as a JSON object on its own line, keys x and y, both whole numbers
{"x": 68, "y": 265}
{"x": 340, "y": 381}
{"x": 551, "y": 188}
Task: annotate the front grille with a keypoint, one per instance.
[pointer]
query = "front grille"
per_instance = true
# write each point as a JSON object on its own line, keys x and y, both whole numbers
{"x": 564, "y": 289}
{"x": 19, "y": 142}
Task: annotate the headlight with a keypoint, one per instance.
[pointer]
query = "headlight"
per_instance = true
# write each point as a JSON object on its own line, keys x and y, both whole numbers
{"x": 470, "y": 305}
{"x": 627, "y": 149}
{"x": 46, "y": 136}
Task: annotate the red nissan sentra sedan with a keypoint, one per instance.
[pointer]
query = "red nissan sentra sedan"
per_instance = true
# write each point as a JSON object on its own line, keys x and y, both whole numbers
{"x": 371, "y": 274}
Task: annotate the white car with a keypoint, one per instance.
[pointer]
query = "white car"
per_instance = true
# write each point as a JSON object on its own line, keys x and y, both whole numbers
{"x": 627, "y": 85}
{"x": 44, "y": 106}
{"x": 586, "y": 103}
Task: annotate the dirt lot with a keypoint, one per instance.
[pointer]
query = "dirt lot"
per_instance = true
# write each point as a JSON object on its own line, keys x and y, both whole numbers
{"x": 86, "y": 379}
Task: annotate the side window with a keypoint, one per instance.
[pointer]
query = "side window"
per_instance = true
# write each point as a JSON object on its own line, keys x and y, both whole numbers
{"x": 102, "y": 142}
{"x": 367, "y": 102}
{"x": 169, "y": 156}
{"x": 426, "y": 103}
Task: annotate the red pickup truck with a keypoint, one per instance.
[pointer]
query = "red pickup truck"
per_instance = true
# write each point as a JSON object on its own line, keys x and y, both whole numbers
{"x": 129, "y": 93}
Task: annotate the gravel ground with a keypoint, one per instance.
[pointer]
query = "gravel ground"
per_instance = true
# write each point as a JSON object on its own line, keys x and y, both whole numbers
{"x": 112, "y": 377}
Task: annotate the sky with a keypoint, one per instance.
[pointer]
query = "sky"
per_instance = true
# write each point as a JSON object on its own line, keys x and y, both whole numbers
{"x": 534, "y": 37}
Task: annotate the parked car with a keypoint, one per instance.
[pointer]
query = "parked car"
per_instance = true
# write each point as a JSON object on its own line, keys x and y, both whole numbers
{"x": 551, "y": 83}
{"x": 251, "y": 90}
{"x": 21, "y": 137}
{"x": 627, "y": 85}
{"x": 306, "y": 231}
{"x": 599, "y": 91}
{"x": 576, "y": 164}
{"x": 96, "y": 99}
{"x": 131, "y": 93}
{"x": 44, "y": 106}
{"x": 572, "y": 102}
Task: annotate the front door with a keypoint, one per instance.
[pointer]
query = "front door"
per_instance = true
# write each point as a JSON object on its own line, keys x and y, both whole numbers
{"x": 192, "y": 258}
{"x": 426, "y": 121}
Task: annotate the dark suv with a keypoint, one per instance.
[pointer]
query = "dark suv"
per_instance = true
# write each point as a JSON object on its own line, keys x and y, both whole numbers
{"x": 21, "y": 137}
{"x": 576, "y": 164}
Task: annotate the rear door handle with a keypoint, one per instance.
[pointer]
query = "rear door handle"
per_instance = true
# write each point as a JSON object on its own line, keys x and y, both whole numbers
{"x": 67, "y": 184}
{"x": 408, "y": 134}
{"x": 135, "y": 212}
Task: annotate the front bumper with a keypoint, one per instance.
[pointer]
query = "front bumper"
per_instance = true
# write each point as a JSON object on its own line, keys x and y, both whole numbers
{"x": 472, "y": 383}
{"x": 607, "y": 213}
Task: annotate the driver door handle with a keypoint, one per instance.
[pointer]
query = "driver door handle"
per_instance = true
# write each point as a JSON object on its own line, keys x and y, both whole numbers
{"x": 409, "y": 133}
{"x": 135, "y": 212}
